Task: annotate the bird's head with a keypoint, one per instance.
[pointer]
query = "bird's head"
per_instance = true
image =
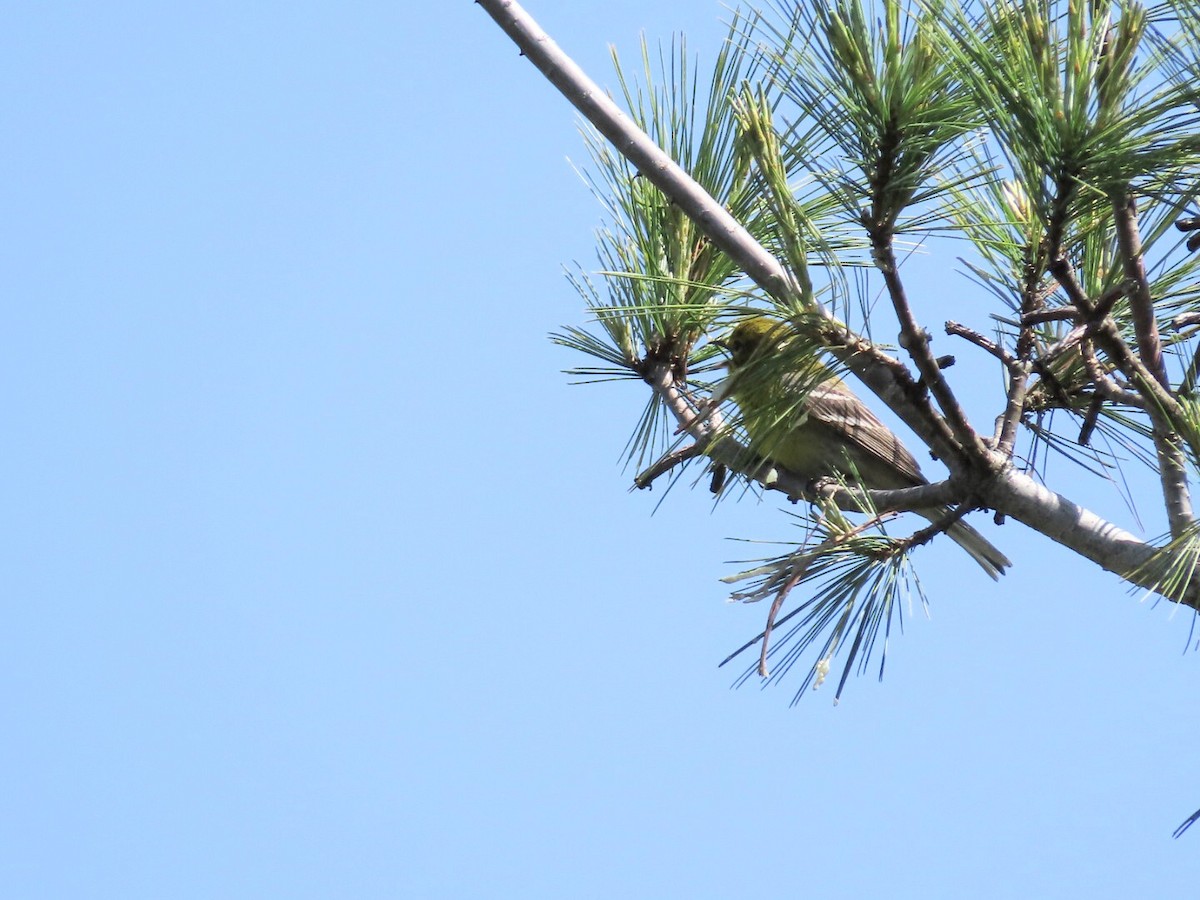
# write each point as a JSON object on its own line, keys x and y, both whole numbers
{"x": 753, "y": 338}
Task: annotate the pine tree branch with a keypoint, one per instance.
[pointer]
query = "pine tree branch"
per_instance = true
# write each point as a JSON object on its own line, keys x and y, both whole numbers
{"x": 666, "y": 463}
{"x": 631, "y": 142}
{"x": 1105, "y": 386}
{"x": 1141, "y": 304}
{"x": 885, "y": 377}
{"x": 1168, "y": 446}
{"x": 994, "y": 481}
{"x": 983, "y": 343}
{"x": 1079, "y": 529}
{"x": 706, "y": 426}
{"x": 915, "y": 340}
{"x": 1166, "y": 416}
{"x": 1033, "y": 300}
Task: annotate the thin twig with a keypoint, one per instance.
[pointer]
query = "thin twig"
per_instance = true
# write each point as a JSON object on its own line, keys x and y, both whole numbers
{"x": 1090, "y": 419}
{"x": 1018, "y": 390}
{"x": 929, "y": 532}
{"x": 796, "y": 577}
{"x": 1094, "y": 313}
{"x": 969, "y": 334}
{"x": 666, "y": 463}
{"x": 1105, "y": 386}
{"x": 1058, "y": 314}
{"x": 1033, "y": 299}
{"x": 722, "y": 449}
{"x": 1106, "y": 333}
{"x": 925, "y": 496}
{"x": 1161, "y": 406}
{"x": 915, "y": 340}
{"x": 775, "y": 605}
{"x": 1141, "y": 304}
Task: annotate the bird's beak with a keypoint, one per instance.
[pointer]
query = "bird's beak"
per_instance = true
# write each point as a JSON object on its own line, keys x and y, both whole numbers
{"x": 717, "y": 342}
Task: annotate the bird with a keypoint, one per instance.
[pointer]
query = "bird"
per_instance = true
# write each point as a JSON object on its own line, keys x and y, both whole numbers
{"x": 810, "y": 423}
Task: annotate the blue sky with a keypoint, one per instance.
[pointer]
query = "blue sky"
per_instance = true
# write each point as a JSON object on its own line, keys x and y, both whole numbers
{"x": 321, "y": 581}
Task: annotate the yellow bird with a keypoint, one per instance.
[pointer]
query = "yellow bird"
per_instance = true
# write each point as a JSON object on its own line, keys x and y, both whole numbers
{"x": 810, "y": 423}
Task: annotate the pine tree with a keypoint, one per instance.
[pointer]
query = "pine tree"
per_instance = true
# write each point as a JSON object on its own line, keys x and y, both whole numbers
{"x": 1050, "y": 146}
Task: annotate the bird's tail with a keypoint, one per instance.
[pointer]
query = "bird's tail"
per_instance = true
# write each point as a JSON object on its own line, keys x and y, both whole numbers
{"x": 981, "y": 549}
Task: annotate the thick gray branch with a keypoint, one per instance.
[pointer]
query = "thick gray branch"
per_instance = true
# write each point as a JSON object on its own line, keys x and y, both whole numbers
{"x": 636, "y": 146}
{"x": 1104, "y": 543}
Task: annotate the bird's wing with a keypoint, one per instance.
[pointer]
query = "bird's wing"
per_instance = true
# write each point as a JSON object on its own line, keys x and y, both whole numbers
{"x": 836, "y": 408}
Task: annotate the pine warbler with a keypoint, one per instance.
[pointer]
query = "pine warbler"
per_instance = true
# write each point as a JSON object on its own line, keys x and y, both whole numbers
{"x": 810, "y": 423}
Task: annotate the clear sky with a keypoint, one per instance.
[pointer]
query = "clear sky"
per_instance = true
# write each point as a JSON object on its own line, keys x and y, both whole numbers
{"x": 320, "y": 580}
